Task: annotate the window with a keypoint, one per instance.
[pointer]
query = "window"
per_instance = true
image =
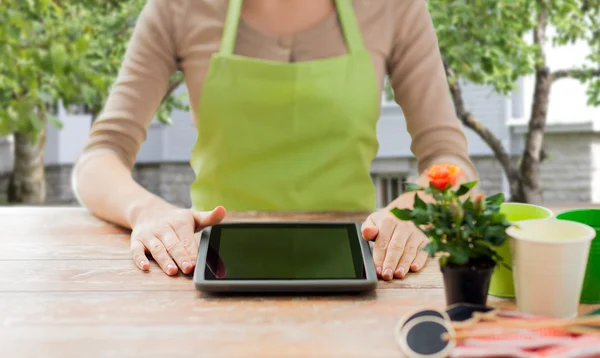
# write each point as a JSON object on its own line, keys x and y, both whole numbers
{"x": 77, "y": 109}
{"x": 388, "y": 188}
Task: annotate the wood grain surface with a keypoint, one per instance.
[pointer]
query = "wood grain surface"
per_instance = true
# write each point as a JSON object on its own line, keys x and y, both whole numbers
{"x": 69, "y": 289}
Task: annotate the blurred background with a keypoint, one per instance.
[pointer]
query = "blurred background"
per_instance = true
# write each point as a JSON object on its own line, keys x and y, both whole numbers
{"x": 525, "y": 82}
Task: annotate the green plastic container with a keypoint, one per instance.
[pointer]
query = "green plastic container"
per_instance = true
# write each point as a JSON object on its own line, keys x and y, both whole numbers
{"x": 502, "y": 284}
{"x": 590, "y": 292}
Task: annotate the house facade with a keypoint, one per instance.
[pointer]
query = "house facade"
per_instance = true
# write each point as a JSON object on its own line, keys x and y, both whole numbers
{"x": 568, "y": 174}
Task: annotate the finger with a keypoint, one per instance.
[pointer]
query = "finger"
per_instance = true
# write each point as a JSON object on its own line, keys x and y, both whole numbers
{"x": 161, "y": 256}
{"x": 175, "y": 248}
{"x": 395, "y": 249}
{"x": 203, "y": 219}
{"x": 185, "y": 233}
{"x": 138, "y": 254}
{"x": 421, "y": 258}
{"x": 369, "y": 229}
{"x": 386, "y": 230}
{"x": 409, "y": 254}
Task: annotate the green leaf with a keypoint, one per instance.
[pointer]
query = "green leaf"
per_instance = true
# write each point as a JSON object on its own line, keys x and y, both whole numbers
{"x": 458, "y": 254}
{"x": 499, "y": 219}
{"x": 433, "y": 188}
{"x": 163, "y": 116}
{"x": 409, "y": 187}
{"x": 496, "y": 240}
{"x": 419, "y": 203}
{"x": 494, "y": 200}
{"x": 505, "y": 265}
{"x": 443, "y": 260}
{"x": 495, "y": 235}
{"x": 468, "y": 204}
{"x": 54, "y": 121}
{"x": 465, "y": 188}
{"x": 58, "y": 56}
{"x": 430, "y": 248}
{"x": 402, "y": 214}
{"x": 81, "y": 44}
{"x": 57, "y": 8}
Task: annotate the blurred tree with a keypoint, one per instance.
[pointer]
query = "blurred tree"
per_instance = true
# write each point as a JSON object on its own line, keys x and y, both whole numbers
{"x": 40, "y": 56}
{"x": 59, "y": 51}
{"x": 486, "y": 42}
{"x": 110, "y": 24}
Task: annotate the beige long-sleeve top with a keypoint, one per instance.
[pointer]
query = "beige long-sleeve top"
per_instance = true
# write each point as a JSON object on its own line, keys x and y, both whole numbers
{"x": 182, "y": 34}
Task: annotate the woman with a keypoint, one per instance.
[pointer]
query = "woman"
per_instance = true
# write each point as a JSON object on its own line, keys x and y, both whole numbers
{"x": 286, "y": 96}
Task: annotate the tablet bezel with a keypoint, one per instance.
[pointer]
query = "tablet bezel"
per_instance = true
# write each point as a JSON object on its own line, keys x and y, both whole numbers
{"x": 369, "y": 282}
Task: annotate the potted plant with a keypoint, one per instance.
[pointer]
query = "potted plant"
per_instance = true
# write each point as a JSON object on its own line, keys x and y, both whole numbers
{"x": 463, "y": 232}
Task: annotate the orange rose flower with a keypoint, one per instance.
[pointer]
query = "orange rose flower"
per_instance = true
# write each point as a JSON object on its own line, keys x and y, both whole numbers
{"x": 479, "y": 203}
{"x": 443, "y": 176}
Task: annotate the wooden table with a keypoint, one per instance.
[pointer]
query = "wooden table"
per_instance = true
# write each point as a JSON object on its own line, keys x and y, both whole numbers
{"x": 68, "y": 288}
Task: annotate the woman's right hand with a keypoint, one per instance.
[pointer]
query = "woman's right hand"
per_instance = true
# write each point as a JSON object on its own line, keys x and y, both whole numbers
{"x": 167, "y": 233}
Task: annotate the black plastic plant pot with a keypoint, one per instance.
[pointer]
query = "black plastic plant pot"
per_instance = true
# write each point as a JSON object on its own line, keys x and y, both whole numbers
{"x": 468, "y": 283}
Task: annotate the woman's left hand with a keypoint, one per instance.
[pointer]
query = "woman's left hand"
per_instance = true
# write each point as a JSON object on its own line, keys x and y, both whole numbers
{"x": 397, "y": 246}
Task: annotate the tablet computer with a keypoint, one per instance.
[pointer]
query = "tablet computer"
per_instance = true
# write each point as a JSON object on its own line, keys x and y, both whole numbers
{"x": 284, "y": 257}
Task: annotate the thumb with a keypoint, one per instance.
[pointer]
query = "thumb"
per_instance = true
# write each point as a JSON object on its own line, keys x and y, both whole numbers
{"x": 369, "y": 229}
{"x": 205, "y": 219}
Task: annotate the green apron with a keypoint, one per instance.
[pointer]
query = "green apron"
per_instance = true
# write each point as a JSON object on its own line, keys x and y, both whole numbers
{"x": 276, "y": 136}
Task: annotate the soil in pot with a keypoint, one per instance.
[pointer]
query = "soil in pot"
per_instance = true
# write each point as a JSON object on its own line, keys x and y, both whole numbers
{"x": 468, "y": 283}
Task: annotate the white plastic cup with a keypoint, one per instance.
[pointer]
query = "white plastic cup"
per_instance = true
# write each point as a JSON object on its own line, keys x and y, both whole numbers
{"x": 549, "y": 261}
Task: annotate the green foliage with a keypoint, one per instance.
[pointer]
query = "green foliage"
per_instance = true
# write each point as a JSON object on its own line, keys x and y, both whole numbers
{"x": 111, "y": 24}
{"x": 579, "y": 21}
{"x": 462, "y": 231}
{"x": 172, "y": 102}
{"x": 490, "y": 41}
{"x": 465, "y": 188}
{"x": 388, "y": 91}
{"x": 483, "y": 41}
{"x": 68, "y": 51}
{"x": 41, "y": 56}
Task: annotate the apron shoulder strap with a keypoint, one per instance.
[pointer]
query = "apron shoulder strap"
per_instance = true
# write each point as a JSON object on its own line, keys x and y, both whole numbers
{"x": 349, "y": 24}
{"x": 230, "y": 28}
{"x": 345, "y": 12}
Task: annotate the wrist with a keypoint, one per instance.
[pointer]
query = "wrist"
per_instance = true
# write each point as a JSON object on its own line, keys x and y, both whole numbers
{"x": 139, "y": 209}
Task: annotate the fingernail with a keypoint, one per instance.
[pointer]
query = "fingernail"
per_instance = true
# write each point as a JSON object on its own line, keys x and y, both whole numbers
{"x": 400, "y": 270}
{"x": 170, "y": 267}
{"x": 185, "y": 265}
{"x": 378, "y": 271}
{"x": 387, "y": 273}
{"x": 142, "y": 263}
{"x": 416, "y": 266}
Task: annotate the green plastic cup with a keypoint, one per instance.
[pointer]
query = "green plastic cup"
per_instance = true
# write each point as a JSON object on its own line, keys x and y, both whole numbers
{"x": 502, "y": 284}
{"x": 590, "y": 293}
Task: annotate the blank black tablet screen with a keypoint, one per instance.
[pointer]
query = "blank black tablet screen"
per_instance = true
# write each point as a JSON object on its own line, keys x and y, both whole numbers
{"x": 284, "y": 251}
